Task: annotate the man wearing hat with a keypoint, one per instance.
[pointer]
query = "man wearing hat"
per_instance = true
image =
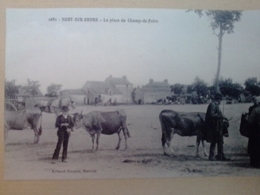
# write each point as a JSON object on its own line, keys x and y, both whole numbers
{"x": 254, "y": 136}
{"x": 214, "y": 134}
{"x": 64, "y": 123}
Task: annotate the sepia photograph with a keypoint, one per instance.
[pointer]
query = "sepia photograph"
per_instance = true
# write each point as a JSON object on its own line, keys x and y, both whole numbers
{"x": 116, "y": 93}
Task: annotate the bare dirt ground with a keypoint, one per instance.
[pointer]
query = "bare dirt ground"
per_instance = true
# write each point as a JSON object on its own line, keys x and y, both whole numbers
{"x": 143, "y": 159}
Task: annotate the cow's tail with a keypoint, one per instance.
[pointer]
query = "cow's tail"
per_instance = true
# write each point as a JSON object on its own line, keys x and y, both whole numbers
{"x": 203, "y": 129}
{"x": 40, "y": 130}
{"x": 166, "y": 136}
{"x": 127, "y": 132}
{"x": 163, "y": 139}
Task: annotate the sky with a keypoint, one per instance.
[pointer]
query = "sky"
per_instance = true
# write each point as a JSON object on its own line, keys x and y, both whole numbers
{"x": 72, "y": 46}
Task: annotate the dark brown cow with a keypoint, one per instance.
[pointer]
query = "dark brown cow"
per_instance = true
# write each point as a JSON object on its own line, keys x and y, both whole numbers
{"x": 19, "y": 120}
{"x": 183, "y": 124}
{"x": 108, "y": 123}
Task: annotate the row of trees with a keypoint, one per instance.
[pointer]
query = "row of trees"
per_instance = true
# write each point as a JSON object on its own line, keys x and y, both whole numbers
{"x": 31, "y": 88}
{"x": 226, "y": 86}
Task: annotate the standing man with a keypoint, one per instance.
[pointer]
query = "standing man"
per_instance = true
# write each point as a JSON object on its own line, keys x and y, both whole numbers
{"x": 249, "y": 112}
{"x": 214, "y": 133}
{"x": 254, "y": 135}
{"x": 64, "y": 124}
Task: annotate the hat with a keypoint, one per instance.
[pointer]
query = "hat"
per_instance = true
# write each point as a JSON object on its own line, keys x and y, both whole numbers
{"x": 218, "y": 96}
{"x": 65, "y": 108}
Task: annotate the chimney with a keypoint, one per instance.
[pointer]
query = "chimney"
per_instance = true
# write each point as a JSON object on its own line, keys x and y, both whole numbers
{"x": 124, "y": 77}
{"x": 166, "y": 81}
{"x": 151, "y": 81}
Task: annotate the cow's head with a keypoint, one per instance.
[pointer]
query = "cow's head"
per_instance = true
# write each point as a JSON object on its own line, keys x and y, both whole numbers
{"x": 225, "y": 127}
{"x": 78, "y": 120}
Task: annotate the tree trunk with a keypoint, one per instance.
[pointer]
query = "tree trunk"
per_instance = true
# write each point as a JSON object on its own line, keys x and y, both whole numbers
{"x": 220, "y": 36}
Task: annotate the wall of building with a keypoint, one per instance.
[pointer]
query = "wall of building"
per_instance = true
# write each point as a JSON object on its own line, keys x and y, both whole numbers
{"x": 126, "y": 93}
{"x": 150, "y": 97}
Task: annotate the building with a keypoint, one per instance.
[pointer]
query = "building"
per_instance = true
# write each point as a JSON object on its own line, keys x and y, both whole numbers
{"x": 102, "y": 92}
{"x": 153, "y": 91}
{"x": 76, "y": 95}
{"x": 123, "y": 85}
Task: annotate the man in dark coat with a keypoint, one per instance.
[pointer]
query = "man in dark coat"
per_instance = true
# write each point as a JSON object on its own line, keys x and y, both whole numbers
{"x": 214, "y": 134}
{"x": 64, "y": 123}
{"x": 249, "y": 112}
{"x": 254, "y": 135}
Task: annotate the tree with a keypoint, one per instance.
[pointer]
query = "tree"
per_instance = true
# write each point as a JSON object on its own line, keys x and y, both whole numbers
{"x": 32, "y": 87}
{"x": 252, "y": 86}
{"x": 177, "y": 88}
{"x": 200, "y": 86}
{"x": 11, "y": 89}
{"x": 228, "y": 88}
{"x": 223, "y": 21}
{"x": 53, "y": 90}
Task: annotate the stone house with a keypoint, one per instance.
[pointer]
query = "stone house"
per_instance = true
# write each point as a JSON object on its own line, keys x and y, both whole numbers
{"x": 123, "y": 85}
{"x": 103, "y": 91}
{"x": 153, "y": 91}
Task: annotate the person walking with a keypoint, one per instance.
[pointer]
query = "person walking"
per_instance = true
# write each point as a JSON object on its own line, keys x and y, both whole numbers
{"x": 214, "y": 134}
{"x": 64, "y": 123}
{"x": 254, "y": 135}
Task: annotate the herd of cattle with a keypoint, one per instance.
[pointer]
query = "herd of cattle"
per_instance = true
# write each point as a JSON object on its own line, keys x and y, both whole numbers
{"x": 97, "y": 123}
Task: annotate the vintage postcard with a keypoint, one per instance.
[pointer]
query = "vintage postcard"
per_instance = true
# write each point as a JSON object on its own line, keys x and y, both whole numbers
{"x": 123, "y": 93}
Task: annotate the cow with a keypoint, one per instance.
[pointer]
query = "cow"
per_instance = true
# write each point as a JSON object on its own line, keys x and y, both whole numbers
{"x": 108, "y": 123}
{"x": 54, "y": 105}
{"x": 19, "y": 120}
{"x": 183, "y": 124}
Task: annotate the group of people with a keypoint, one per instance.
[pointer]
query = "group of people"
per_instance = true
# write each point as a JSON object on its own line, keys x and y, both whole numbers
{"x": 215, "y": 122}
{"x": 214, "y": 134}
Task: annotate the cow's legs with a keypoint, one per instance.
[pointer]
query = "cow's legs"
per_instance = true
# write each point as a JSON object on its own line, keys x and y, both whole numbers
{"x": 163, "y": 140}
{"x": 97, "y": 140}
{"x": 197, "y": 146}
{"x": 93, "y": 142}
{"x": 119, "y": 140}
{"x": 203, "y": 146}
{"x": 36, "y": 136}
{"x": 126, "y": 133}
{"x": 204, "y": 149}
{"x": 167, "y": 135}
{"x": 167, "y": 140}
{"x": 168, "y": 150}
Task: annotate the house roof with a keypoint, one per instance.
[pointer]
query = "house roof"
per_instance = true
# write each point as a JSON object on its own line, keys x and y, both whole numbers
{"x": 157, "y": 84}
{"x": 118, "y": 81}
{"x": 73, "y": 92}
{"x": 100, "y": 87}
